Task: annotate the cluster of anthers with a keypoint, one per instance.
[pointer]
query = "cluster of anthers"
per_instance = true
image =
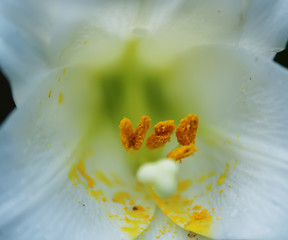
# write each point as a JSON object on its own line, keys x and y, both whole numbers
{"x": 185, "y": 133}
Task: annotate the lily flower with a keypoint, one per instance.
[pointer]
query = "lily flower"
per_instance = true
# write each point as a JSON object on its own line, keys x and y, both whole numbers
{"x": 190, "y": 87}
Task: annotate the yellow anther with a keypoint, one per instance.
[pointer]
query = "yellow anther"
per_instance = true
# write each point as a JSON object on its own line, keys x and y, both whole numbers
{"x": 141, "y": 130}
{"x": 126, "y": 133}
{"x": 163, "y": 131}
{"x": 182, "y": 152}
{"x": 128, "y": 137}
{"x": 186, "y": 130}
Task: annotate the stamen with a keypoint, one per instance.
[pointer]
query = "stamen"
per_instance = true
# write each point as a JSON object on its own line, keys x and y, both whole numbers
{"x": 182, "y": 152}
{"x": 163, "y": 131}
{"x": 186, "y": 130}
{"x": 128, "y": 137}
{"x": 141, "y": 130}
{"x": 126, "y": 133}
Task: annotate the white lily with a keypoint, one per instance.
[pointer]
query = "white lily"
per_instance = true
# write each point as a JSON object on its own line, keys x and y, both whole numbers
{"x": 78, "y": 67}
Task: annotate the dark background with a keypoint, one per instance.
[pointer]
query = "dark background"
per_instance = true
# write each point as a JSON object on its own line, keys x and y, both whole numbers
{"x": 7, "y": 104}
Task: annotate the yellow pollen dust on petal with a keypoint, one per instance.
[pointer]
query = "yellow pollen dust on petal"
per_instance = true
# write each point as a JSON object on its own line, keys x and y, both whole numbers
{"x": 121, "y": 197}
{"x": 163, "y": 131}
{"x": 131, "y": 139}
{"x": 50, "y": 93}
{"x": 177, "y": 208}
{"x": 81, "y": 168}
{"x": 184, "y": 185}
{"x": 60, "y": 99}
{"x": 224, "y": 175}
{"x": 97, "y": 194}
{"x": 197, "y": 207}
{"x": 186, "y": 130}
{"x": 182, "y": 152}
{"x": 200, "y": 215}
{"x": 135, "y": 220}
{"x": 73, "y": 174}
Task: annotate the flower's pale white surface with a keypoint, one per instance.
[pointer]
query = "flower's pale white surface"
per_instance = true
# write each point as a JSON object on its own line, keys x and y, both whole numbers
{"x": 222, "y": 71}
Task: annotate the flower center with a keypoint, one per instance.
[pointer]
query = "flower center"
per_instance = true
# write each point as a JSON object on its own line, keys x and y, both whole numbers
{"x": 161, "y": 175}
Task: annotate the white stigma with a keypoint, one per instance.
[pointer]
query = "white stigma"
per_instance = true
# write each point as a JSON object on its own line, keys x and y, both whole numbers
{"x": 161, "y": 175}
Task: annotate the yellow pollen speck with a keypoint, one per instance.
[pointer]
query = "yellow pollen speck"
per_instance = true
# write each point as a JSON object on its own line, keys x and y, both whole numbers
{"x": 121, "y": 197}
{"x": 188, "y": 202}
{"x": 184, "y": 185}
{"x": 40, "y": 102}
{"x": 59, "y": 79}
{"x": 85, "y": 42}
{"x": 138, "y": 208}
{"x": 224, "y": 175}
{"x": 162, "y": 134}
{"x": 182, "y": 152}
{"x": 73, "y": 174}
{"x": 128, "y": 137}
{"x": 64, "y": 71}
{"x": 200, "y": 215}
{"x": 97, "y": 194}
{"x": 81, "y": 168}
{"x": 50, "y": 93}
{"x": 60, "y": 99}
{"x": 186, "y": 130}
{"x": 204, "y": 177}
{"x": 235, "y": 164}
{"x": 221, "y": 191}
{"x": 197, "y": 207}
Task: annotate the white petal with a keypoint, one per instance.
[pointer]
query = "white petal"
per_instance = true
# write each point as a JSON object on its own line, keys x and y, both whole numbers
{"x": 45, "y": 193}
{"x": 25, "y": 35}
{"x": 241, "y": 101}
{"x": 265, "y": 28}
{"x": 33, "y": 142}
{"x": 35, "y": 34}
